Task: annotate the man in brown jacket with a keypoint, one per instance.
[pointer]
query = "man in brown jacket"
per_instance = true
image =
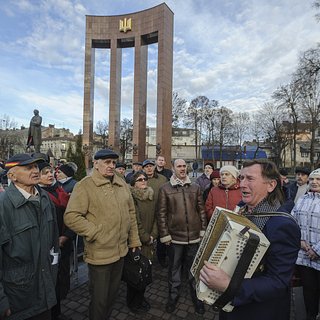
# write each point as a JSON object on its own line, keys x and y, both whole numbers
{"x": 102, "y": 211}
{"x": 181, "y": 223}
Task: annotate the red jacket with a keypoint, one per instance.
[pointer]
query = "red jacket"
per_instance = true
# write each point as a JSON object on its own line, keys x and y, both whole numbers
{"x": 223, "y": 197}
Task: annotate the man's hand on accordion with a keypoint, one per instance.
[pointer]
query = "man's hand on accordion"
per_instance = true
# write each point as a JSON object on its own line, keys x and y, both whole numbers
{"x": 214, "y": 277}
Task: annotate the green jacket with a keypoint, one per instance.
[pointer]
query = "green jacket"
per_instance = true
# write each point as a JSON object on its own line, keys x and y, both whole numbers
{"x": 28, "y": 232}
{"x": 103, "y": 213}
{"x": 146, "y": 218}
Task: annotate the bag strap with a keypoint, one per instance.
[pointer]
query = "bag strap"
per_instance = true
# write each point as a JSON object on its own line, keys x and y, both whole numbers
{"x": 240, "y": 271}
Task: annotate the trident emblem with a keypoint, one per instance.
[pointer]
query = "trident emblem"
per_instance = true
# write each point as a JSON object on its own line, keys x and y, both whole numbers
{"x": 125, "y": 25}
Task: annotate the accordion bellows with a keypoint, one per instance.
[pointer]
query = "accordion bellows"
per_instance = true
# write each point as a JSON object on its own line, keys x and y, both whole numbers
{"x": 222, "y": 245}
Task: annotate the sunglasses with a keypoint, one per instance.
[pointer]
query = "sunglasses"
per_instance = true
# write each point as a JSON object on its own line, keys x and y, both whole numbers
{"x": 141, "y": 179}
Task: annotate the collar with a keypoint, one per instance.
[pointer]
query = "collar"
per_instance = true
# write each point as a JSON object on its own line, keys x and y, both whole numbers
{"x": 178, "y": 182}
{"x": 64, "y": 180}
{"x": 28, "y": 195}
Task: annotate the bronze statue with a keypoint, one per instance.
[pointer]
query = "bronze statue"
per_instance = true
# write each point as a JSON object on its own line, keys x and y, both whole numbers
{"x": 34, "y": 133}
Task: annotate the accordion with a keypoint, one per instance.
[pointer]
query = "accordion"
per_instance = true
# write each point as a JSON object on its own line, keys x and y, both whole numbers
{"x": 223, "y": 245}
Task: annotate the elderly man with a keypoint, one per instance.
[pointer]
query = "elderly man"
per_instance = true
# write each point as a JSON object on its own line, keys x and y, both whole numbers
{"x": 29, "y": 244}
{"x": 297, "y": 189}
{"x": 136, "y": 166}
{"x": 101, "y": 209}
{"x": 181, "y": 224}
{"x": 267, "y": 294}
{"x": 227, "y": 194}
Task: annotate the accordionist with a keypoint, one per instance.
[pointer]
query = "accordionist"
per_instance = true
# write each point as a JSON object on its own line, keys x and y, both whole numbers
{"x": 266, "y": 295}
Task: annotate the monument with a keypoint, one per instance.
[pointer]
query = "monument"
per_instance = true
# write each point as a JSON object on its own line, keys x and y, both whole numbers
{"x": 34, "y": 133}
{"x": 136, "y": 30}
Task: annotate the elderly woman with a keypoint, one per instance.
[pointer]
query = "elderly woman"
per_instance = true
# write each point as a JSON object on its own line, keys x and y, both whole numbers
{"x": 307, "y": 213}
{"x": 60, "y": 199}
{"x": 143, "y": 197}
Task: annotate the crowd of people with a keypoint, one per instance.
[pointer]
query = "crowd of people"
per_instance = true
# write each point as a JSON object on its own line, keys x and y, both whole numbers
{"x": 161, "y": 213}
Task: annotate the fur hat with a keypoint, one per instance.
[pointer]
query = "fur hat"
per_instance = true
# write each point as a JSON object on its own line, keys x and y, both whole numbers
{"x": 232, "y": 169}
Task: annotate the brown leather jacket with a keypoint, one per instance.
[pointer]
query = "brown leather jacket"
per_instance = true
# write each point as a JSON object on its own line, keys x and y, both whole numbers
{"x": 181, "y": 216}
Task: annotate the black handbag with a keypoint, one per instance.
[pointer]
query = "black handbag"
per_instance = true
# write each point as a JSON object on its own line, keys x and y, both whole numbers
{"x": 137, "y": 270}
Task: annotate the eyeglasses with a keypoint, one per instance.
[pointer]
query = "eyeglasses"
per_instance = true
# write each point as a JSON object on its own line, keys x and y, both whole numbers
{"x": 141, "y": 179}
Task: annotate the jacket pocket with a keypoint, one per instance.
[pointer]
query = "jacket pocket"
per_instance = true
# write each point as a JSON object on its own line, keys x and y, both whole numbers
{"x": 19, "y": 284}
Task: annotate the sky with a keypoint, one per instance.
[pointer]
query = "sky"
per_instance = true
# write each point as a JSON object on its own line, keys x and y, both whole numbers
{"x": 236, "y": 52}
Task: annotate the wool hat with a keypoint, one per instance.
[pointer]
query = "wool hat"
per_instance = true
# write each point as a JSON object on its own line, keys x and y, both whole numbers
{"x": 43, "y": 165}
{"x": 121, "y": 165}
{"x": 303, "y": 170}
{"x": 283, "y": 171}
{"x": 105, "y": 154}
{"x": 146, "y": 162}
{"x": 21, "y": 159}
{"x": 67, "y": 170}
{"x": 215, "y": 174}
{"x": 232, "y": 169}
{"x": 209, "y": 164}
{"x": 315, "y": 173}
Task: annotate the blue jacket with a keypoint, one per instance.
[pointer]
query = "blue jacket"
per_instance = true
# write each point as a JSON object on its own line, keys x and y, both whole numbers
{"x": 27, "y": 277}
{"x": 266, "y": 296}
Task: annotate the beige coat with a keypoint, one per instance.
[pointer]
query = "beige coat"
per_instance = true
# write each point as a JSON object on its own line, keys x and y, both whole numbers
{"x": 103, "y": 213}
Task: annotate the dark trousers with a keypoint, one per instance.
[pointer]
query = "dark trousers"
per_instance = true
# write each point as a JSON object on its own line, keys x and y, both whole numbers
{"x": 104, "y": 283}
{"x": 134, "y": 297}
{"x": 161, "y": 250}
{"x": 180, "y": 255}
{"x": 310, "y": 279}
{"x": 42, "y": 316}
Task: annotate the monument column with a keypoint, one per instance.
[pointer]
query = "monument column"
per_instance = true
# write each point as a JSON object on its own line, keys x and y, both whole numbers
{"x": 115, "y": 95}
{"x": 164, "y": 94}
{"x": 140, "y": 100}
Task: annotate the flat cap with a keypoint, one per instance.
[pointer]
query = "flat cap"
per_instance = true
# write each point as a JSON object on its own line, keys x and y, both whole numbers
{"x": 105, "y": 154}
{"x": 21, "y": 159}
{"x": 146, "y": 162}
{"x": 303, "y": 170}
{"x": 137, "y": 163}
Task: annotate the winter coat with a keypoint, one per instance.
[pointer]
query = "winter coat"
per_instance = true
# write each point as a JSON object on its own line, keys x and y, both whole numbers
{"x": 223, "y": 197}
{"x": 307, "y": 214}
{"x": 103, "y": 213}
{"x": 68, "y": 185}
{"x": 181, "y": 216}
{"x": 155, "y": 183}
{"x": 146, "y": 218}
{"x": 267, "y": 294}
{"x": 203, "y": 181}
{"x": 28, "y": 232}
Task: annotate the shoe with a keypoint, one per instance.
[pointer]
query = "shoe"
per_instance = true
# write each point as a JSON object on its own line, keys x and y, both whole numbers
{"x": 134, "y": 309}
{"x": 199, "y": 307}
{"x": 171, "y": 305}
{"x": 145, "y": 306}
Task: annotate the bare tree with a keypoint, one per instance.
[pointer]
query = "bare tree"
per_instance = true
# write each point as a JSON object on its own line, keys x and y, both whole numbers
{"x": 308, "y": 80}
{"x": 10, "y": 137}
{"x": 178, "y": 109}
{"x": 126, "y": 128}
{"x": 257, "y": 131}
{"x": 223, "y": 128}
{"x": 194, "y": 119}
{"x": 287, "y": 96}
{"x": 273, "y": 124}
{"x": 102, "y": 129}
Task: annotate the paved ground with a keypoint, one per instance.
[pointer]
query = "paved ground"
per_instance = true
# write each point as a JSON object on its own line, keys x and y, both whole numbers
{"x": 75, "y": 306}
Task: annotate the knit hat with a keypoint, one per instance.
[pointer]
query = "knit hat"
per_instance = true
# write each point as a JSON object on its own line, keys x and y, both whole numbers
{"x": 232, "y": 169}
{"x": 67, "y": 170}
{"x": 315, "y": 173}
{"x": 209, "y": 164}
{"x": 215, "y": 174}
